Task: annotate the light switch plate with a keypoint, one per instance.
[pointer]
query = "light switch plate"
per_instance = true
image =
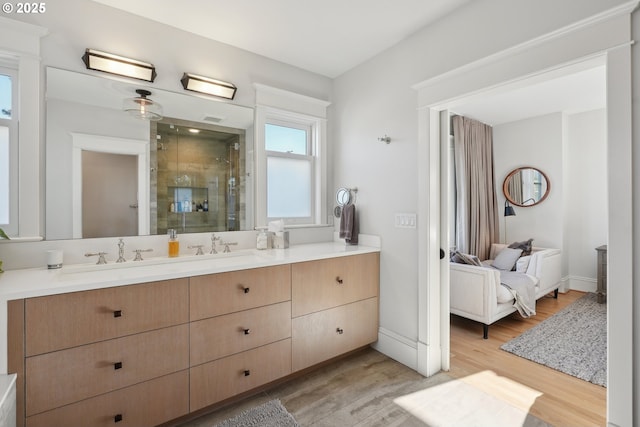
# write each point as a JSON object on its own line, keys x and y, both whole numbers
{"x": 406, "y": 220}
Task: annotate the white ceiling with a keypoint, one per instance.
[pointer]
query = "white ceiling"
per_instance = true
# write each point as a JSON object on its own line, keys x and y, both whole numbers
{"x": 577, "y": 92}
{"x": 327, "y": 37}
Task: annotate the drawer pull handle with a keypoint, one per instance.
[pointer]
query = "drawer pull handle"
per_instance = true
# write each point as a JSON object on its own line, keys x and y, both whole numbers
{"x": 246, "y": 290}
{"x": 117, "y": 365}
{"x": 117, "y": 313}
{"x": 247, "y": 373}
{"x": 340, "y": 331}
{"x": 246, "y": 331}
{"x": 117, "y": 418}
{"x": 339, "y": 280}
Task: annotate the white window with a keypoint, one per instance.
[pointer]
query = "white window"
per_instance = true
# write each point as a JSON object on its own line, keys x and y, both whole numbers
{"x": 8, "y": 151}
{"x": 290, "y": 171}
{"x": 291, "y": 167}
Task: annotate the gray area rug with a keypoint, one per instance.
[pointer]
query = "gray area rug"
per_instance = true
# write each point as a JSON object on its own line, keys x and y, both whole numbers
{"x": 573, "y": 341}
{"x": 270, "y": 414}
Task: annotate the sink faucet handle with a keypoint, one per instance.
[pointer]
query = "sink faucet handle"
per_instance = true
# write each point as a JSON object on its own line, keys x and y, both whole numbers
{"x": 199, "y": 249}
{"x": 226, "y": 246}
{"x": 100, "y": 255}
{"x": 139, "y": 253}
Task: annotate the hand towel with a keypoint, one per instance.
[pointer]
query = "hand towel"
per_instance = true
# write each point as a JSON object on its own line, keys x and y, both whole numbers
{"x": 349, "y": 224}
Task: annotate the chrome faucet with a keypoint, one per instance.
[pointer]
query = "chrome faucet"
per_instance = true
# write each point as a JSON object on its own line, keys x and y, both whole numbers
{"x": 121, "y": 251}
{"x": 213, "y": 244}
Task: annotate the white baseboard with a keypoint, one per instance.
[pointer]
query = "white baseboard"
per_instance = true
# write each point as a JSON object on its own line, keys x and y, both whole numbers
{"x": 397, "y": 347}
{"x": 583, "y": 284}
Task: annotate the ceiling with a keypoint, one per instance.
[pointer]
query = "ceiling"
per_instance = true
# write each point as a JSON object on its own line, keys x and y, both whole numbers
{"x": 328, "y": 37}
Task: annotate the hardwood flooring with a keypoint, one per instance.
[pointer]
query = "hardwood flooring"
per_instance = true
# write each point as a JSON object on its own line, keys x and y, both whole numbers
{"x": 359, "y": 390}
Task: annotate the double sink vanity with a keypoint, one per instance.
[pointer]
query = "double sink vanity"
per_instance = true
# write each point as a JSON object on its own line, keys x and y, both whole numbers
{"x": 148, "y": 343}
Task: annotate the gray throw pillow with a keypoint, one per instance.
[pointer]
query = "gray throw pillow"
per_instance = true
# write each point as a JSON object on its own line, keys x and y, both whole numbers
{"x": 460, "y": 258}
{"x": 506, "y": 259}
{"x": 526, "y": 246}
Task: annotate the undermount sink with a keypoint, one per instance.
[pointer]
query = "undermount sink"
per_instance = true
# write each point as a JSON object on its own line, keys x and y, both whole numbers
{"x": 81, "y": 268}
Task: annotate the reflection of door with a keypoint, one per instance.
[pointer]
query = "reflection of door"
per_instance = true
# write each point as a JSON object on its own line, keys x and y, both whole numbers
{"x": 109, "y": 194}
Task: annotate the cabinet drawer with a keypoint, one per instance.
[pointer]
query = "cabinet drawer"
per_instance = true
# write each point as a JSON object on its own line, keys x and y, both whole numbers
{"x": 67, "y": 320}
{"x": 66, "y": 376}
{"x": 146, "y": 404}
{"x": 320, "y": 336}
{"x": 222, "y": 336}
{"x": 222, "y": 293}
{"x": 318, "y": 285}
{"x": 216, "y": 381}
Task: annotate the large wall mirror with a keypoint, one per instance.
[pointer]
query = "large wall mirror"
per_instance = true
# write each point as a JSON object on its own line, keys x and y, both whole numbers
{"x": 526, "y": 186}
{"x": 109, "y": 174}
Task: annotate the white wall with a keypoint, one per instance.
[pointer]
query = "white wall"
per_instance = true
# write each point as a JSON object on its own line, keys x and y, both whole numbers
{"x": 571, "y": 150}
{"x": 377, "y": 98}
{"x": 585, "y": 196}
{"x": 535, "y": 142}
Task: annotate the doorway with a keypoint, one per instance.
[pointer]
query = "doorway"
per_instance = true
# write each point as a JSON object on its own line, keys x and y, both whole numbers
{"x": 438, "y": 94}
{"x": 109, "y": 194}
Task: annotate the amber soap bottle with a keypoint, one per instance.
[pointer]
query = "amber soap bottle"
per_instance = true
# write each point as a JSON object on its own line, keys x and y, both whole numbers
{"x": 174, "y": 244}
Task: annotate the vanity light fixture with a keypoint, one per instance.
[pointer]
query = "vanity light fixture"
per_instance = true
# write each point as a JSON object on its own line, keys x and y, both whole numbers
{"x": 142, "y": 107}
{"x": 119, "y": 65}
{"x": 208, "y": 86}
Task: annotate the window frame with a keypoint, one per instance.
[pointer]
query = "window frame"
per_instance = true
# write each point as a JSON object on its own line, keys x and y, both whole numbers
{"x": 307, "y": 124}
{"x": 10, "y": 69}
{"x": 316, "y": 154}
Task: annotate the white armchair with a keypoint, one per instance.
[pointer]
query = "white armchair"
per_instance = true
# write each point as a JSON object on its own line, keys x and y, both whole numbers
{"x": 476, "y": 292}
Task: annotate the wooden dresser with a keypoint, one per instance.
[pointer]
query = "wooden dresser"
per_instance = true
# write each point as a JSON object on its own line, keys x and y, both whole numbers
{"x": 144, "y": 354}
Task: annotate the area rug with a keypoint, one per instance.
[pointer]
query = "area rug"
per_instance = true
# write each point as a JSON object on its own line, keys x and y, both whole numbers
{"x": 270, "y": 414}
{"x": 573, "y": 341}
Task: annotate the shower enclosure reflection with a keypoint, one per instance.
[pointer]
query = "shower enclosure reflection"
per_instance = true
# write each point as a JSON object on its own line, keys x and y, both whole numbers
{"x": 196, "y": 177}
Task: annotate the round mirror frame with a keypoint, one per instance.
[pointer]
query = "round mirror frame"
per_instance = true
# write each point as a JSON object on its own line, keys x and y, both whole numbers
{"x": 505, "y": 189}
{"x": 343, "y": 196}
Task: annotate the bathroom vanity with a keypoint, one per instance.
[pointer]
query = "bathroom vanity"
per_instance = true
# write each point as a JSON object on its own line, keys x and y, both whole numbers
{"x": 143, "y": 345}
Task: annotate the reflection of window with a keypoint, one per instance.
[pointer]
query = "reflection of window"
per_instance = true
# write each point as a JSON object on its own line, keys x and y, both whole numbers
{"x": 289, "y": 171}
{"x": 8, "y": 151}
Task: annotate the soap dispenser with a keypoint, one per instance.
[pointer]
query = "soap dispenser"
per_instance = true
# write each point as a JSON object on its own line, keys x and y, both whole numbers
{"x": 174, "y": 244}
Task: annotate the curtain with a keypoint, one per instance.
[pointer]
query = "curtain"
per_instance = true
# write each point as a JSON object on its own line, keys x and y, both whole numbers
{"x": 476, "y": 201}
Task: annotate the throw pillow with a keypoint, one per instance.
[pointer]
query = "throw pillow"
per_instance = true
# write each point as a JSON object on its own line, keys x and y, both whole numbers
{"x": 460, "y": 258}
{"x": 526, "y": 246}
{"x": 506, "y": 259}
{"x": 522, "y": 265}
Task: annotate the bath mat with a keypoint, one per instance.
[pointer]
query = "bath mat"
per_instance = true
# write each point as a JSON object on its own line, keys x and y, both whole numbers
{"x": 270, "y": 414}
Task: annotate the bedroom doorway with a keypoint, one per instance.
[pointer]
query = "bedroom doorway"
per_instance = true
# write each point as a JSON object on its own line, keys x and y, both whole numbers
{"x": 443, "y": 92}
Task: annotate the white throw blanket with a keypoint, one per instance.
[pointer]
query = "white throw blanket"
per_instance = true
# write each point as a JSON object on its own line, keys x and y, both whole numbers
{"x": 522, "y": 287}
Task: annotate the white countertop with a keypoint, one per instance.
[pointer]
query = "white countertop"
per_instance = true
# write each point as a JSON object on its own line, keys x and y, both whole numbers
{"x": 33, "y": 282}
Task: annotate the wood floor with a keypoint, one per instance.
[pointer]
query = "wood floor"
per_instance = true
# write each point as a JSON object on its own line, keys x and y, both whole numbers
{"x": 359, "y": 390}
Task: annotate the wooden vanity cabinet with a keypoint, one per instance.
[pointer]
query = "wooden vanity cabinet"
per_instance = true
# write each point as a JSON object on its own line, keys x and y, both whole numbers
{"x": 335, "y": 307}
{"x": 240, "y": 332}
{"x": 145, "y": 354}
{"x": 90, "y": 351}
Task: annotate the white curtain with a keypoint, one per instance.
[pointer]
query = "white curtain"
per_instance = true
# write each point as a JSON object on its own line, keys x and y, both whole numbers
{"x": 476, "y": 201}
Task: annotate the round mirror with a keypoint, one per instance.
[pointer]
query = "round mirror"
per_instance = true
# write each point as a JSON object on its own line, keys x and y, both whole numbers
{"x": 343, "y": 196}
{"x": 526, "y": 186}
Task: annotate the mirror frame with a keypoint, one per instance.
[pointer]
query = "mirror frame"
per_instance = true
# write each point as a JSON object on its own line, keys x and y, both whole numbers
{"x": 505, "y": 189}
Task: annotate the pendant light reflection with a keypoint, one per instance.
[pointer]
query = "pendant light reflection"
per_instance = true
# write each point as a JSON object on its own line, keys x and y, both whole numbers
{"x": 143, "y": 107}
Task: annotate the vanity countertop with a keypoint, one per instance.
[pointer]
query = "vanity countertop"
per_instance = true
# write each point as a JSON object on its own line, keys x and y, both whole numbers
{"x": 34, "y": 282}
